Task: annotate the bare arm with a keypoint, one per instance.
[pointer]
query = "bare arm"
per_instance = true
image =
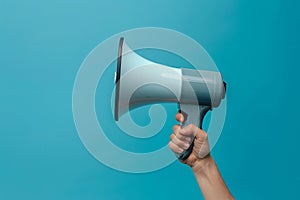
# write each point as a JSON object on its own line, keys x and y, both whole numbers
{"x": 205, "y": 169}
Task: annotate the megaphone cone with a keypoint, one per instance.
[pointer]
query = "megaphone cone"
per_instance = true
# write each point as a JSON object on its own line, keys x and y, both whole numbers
{"x": 140, "y": 81}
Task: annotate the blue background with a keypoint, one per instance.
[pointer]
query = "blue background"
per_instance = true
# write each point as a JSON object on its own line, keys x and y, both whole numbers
{"x": 255, "y": 45}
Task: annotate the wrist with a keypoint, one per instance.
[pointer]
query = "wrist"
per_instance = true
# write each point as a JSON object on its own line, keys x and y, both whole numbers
{"x": 203, "y": 164}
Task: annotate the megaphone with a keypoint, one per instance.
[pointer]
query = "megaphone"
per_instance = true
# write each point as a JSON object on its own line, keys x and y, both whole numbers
{"x": 140, "y": 82}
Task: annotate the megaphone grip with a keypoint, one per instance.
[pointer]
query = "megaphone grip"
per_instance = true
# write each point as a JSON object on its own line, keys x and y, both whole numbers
{"x": 193, "y": 114}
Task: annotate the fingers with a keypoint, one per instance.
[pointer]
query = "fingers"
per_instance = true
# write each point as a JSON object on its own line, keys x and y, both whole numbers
{"x": 201, "y": 135}
{"x": 177, "y": 145}
{"x": 182, "y": 143}
{"x": 172, "y": 136}
{"x": 176, "y": 129}
{"x": 181, "y": 138}
{"x": 177, "y": 132}
{"x": 179, "y": 142}
{"x": 201, "y": 144}
{"x": 176, "y": 149}
{"x": 189, "y": 131}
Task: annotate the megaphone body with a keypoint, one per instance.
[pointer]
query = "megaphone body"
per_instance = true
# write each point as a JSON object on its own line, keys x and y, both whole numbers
{"x": 140, "y": 82}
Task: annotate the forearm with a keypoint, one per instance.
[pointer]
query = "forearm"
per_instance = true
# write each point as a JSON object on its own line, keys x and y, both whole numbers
{"x": 210, "y": 181}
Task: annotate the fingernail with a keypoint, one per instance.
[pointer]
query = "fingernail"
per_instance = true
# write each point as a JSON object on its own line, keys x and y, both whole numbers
{"x": 180, "y": 150}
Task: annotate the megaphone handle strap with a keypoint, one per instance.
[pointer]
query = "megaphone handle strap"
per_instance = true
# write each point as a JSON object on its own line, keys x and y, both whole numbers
{"x": 193, "y": 114}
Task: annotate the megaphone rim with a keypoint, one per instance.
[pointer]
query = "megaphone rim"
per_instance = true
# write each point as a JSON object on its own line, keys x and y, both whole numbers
{"x": 118, "y": 75}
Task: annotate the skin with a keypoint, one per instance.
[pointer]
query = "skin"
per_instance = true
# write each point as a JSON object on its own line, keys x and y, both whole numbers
{"x": 204, "y": 167}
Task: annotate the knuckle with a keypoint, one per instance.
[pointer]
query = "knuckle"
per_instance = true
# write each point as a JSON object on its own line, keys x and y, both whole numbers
{"x": 170, "y": 144}
{"x": 179, "y": 136}
{"x": 181, "y": 143}
{"x": 203, "y": 134}
{"x": 175, "y": 148}
{"x": 190, "y": 130}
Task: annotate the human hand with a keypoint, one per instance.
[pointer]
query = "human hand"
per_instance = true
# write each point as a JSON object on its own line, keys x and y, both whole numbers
{"x": 205, "y": 169}
{"x": 181, "y": 139}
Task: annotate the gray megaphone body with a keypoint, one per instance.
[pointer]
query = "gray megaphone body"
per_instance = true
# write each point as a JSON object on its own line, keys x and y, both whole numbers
{"x": 140, "y": 82}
